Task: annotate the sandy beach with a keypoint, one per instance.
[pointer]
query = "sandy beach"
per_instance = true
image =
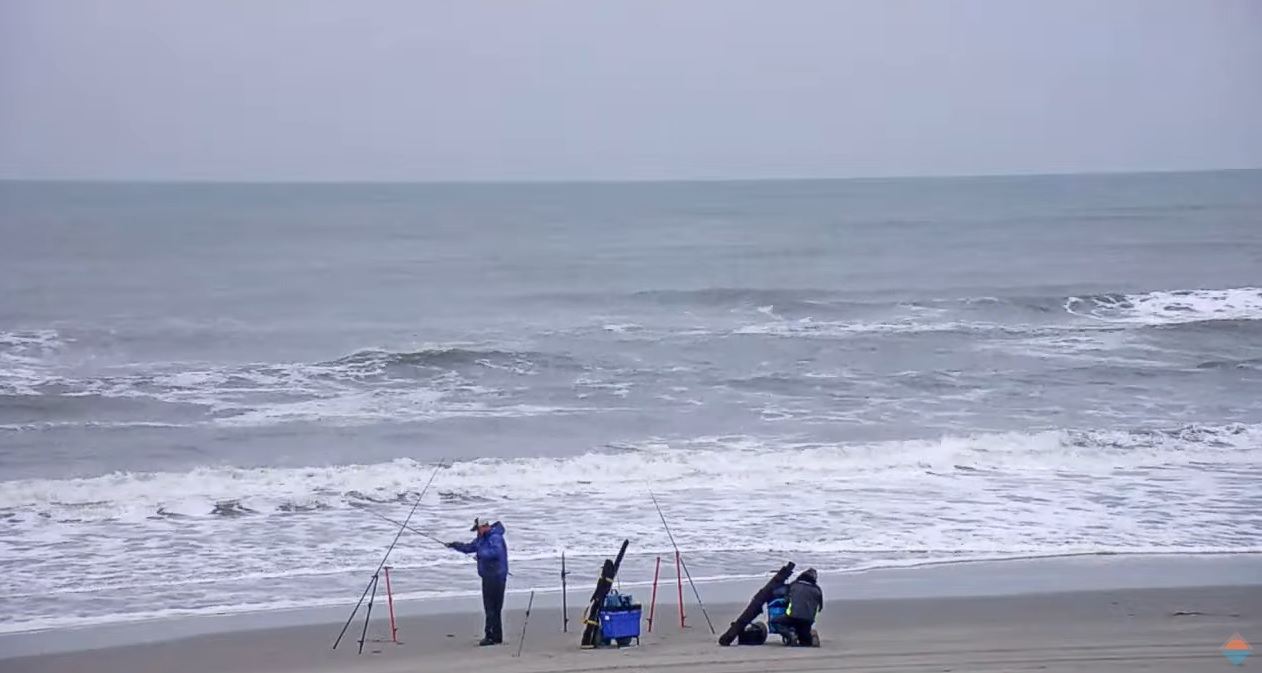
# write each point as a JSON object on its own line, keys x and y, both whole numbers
{"x": 1171, "y": 629}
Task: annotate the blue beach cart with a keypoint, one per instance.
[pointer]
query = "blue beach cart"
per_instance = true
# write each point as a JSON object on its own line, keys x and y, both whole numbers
{"x": 619, "y": 620}
{"x": 776, "y": 608}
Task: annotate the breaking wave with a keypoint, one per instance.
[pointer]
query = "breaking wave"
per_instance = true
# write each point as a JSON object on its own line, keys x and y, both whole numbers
{"x": 1013, "y": 316}
{"x": 380, "y": 362}
{"x": 42, "y": 387}
{"x": 1244, "y": 363}
{"x": 363, "y": 387}
{"x": 1155, "y": 307}
{"x": 735, "y": 464}
{"x": 99, "y": 547}
{"x": 26, "y": 354}
{"x": 1171, "y": 307}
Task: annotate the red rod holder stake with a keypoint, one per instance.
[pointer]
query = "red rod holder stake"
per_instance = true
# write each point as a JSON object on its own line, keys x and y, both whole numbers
{"x": 653, "y": 598}
{"x": 679, "y": 577}
{"x": 390, "y": 601}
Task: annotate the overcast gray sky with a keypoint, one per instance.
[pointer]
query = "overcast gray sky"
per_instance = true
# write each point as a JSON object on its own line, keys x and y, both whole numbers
{"x": 612, "y": 89}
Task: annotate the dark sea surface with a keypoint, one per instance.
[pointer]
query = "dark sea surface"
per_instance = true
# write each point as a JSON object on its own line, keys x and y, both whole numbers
{"x": 209, "y": 394}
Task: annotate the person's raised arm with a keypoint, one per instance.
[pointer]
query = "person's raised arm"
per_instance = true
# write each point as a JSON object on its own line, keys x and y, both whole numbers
{"x": 464, "y": 547}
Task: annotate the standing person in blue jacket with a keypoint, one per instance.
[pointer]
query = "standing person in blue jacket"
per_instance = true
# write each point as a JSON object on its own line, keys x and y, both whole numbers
{"x": 492, "y": 555}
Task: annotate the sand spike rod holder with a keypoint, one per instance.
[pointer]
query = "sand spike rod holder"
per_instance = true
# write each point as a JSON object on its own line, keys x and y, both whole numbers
{"x": 679, "y": 558}
{"x": 372, "y": 582}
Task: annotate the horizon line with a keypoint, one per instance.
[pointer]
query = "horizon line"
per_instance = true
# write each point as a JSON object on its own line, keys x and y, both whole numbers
{"x": 608, "y": 181}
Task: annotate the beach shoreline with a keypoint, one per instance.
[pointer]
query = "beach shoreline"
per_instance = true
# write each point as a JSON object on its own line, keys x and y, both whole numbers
{"x": 971, "y": 601}
{"x": 1170, "y": 629}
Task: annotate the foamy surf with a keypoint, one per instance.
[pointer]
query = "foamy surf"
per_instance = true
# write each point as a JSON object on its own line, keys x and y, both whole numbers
{"x": 43, "y": 385}
{"x": 1171, "y": 307}
{"x": 103, "y": 546}
{"x": 1014, "y": 317}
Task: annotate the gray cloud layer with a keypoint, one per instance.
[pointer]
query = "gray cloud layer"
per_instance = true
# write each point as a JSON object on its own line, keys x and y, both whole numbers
{"x": 586, "y": 89}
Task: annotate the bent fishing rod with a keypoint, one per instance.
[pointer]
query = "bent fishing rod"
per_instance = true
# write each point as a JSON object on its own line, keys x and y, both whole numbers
{"x": 418, "y": 532}
{"x": 373, "y": 582}
{"x": 681, "y": 562}
{"x": 404, "y": 525}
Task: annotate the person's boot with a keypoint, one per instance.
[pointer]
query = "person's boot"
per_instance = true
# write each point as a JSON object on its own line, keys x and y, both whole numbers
{"x": 487, "y": 641}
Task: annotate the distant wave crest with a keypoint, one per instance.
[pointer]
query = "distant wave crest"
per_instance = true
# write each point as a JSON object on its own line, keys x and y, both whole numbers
{"x": 1171, "y": 307}
{"x": 38, "y": 388}
{"x": 1014, "y": 315}
{"x": 381, "y": 361}
{"x": 363, "y": 387}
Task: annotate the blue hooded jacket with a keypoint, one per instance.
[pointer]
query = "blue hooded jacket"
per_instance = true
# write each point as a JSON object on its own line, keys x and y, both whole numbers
{"x": 491, "y": 552}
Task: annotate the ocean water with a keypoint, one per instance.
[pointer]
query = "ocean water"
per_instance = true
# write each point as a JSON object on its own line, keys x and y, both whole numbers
{"x": 210, "y": 395}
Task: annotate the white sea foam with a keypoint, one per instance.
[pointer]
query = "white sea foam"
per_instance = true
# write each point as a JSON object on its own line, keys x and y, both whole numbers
{"x": 733, "y": 464}
{"x": 357, "y": 390}
{"x": 1171, "y": 307}
{"x": 104, "y": 545}
{"x": 1153, "y": 308}
{"x": 1087, "y": 347}
{"x": 31, "y": 342}
{"x": 380, "y": 385}
{"x": 23, "y": 355}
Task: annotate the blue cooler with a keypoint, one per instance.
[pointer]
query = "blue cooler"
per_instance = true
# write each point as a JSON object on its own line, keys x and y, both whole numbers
{"x": 619, "y": 620}
{"x": 776, "y": 608}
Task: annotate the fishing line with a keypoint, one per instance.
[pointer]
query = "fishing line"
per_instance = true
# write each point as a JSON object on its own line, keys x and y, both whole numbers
{"x": 418, "y": 532}
{"x": 681, "y": 562}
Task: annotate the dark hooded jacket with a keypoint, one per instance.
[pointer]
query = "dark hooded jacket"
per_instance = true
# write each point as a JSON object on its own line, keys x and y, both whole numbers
{"x": 491, "y": 552}
{"x": 806, "y": 599}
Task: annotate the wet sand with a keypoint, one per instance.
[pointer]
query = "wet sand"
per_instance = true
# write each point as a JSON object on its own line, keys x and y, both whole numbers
{"x": 1170, "y": 629}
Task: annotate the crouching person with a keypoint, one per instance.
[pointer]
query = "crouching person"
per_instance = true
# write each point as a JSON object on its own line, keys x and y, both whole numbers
{"x": 806, "y": 600}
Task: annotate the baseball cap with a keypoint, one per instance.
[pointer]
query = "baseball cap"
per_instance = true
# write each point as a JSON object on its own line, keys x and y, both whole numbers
{"x": 480, "y": 521}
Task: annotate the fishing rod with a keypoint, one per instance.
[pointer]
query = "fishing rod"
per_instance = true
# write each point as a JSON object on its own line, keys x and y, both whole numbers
{"x": 372, "y": 583}
{"x": 418, "y": 532}
{"x": 681, "y": 562}
{"x": 565, "y": 610}
{"x": 523, "y": 624}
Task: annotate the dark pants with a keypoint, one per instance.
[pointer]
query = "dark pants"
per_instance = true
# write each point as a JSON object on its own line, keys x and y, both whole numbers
{"x": 493, "y": 605}
{"x": 802, "y": 629}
